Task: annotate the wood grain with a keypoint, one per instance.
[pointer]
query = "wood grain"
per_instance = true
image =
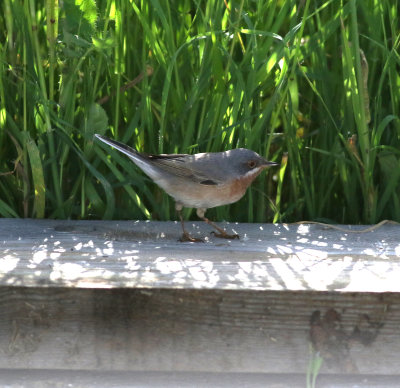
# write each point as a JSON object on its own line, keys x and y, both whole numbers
{"x": 100, "y": 254}
{"x": 189, "y": 330}
{"x": 127, "y": 296}
{"x": 105, "y": 379}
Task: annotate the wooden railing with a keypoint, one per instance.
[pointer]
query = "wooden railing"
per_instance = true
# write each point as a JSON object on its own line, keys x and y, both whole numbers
{"x": 127, "y": 296}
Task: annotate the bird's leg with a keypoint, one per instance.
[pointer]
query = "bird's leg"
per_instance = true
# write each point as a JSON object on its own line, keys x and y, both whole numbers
{"x": 185, "y": 235}
{"x": 222, "y": 233}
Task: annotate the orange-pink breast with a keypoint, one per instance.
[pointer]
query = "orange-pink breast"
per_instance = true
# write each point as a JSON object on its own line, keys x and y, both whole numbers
{"x": 206, "y": 196}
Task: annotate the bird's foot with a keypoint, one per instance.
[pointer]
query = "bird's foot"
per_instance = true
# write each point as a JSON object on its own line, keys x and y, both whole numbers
{"x": 223, "y": 234}
{"x": 186, "y": 237}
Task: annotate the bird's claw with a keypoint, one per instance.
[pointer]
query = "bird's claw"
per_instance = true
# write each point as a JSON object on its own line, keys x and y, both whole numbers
{"x": 186, "y": 237}
{"x": 226, "y": 235}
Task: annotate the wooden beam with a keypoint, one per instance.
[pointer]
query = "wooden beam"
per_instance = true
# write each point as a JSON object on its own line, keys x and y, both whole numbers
{"x": 109, "y": 254}
{"x": 105, "y": 379}
{"x": 127, "y": 296}
{"x": 214, "y": 331}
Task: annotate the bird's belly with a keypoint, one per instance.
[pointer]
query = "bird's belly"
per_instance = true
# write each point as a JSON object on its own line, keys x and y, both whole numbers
{"x": 207, "y": 196}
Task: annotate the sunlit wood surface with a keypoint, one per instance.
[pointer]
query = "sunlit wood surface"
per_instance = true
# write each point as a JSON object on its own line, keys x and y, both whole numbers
{"x": 106, "y": 254}
{"x": 127, "y": 296}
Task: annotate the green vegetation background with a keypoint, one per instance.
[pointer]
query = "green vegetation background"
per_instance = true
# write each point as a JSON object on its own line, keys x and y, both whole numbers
{"x": 314, "y": 85}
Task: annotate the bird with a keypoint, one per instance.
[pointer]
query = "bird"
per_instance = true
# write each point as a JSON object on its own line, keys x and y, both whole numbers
{"x": 200, "y": 181}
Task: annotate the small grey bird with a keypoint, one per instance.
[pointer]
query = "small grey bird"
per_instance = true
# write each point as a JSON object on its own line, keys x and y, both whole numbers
{"x": 200, "y": 181}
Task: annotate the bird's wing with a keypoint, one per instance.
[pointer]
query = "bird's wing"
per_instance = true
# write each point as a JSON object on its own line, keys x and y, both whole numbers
{"x": 182, "y": 165}
{"x": 177, "y": 165}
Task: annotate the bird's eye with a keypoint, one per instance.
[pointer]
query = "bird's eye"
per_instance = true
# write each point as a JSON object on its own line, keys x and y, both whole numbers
{"x": 251, "y": 164}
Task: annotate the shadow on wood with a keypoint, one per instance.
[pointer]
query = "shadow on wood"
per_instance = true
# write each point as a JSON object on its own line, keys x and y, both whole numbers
{"x": 126, "y": 296}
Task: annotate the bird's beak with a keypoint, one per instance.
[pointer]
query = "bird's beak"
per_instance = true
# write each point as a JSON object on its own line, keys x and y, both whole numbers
{"x": 267, "y": 163}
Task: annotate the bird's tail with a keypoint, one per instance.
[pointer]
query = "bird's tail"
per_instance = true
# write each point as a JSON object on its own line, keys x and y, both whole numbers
{"x": 139, "y": 159}
{"x": 118, "y": 145}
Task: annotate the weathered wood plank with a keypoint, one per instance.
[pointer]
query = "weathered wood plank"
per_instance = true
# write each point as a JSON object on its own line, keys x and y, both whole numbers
{"x": 100, "y": 254}
{"x": 191, "y": 330}
{"x": 100, "y": 379}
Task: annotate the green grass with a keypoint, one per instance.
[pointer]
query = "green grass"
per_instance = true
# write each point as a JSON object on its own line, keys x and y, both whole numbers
{"x": 313, "y": 85}
{"x": 314, "y": 367}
